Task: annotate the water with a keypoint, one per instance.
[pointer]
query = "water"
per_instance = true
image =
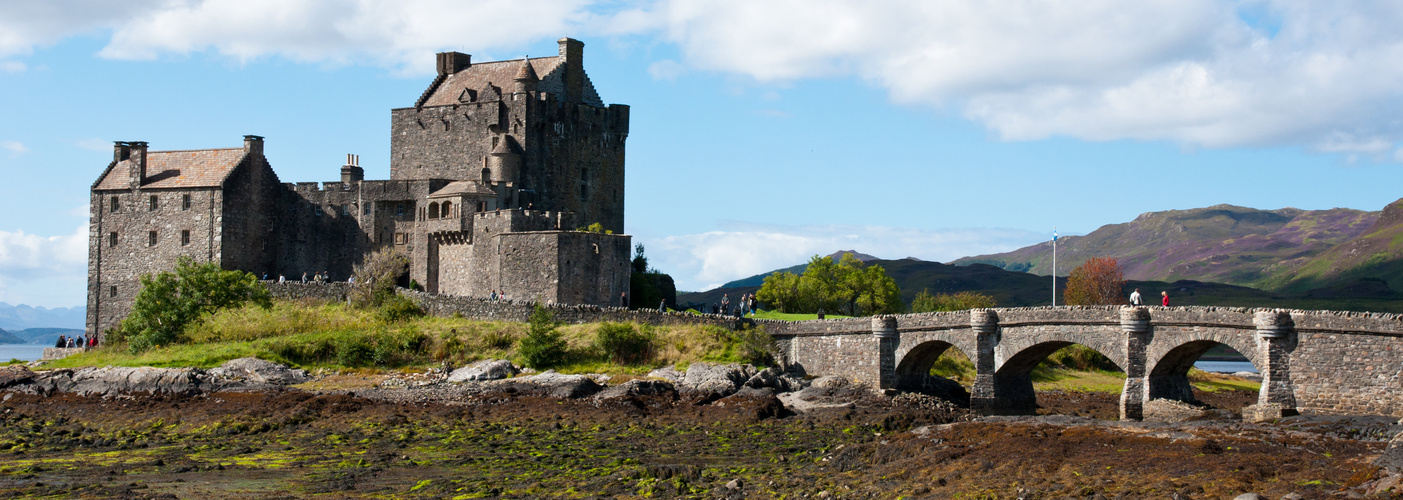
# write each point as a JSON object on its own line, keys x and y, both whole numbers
{"x": 1225, "y": 366}
{"x": 24, "y": 352}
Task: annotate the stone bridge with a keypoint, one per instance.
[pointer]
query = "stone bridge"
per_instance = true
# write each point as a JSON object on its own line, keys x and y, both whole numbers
{"x": 1320, "y": 361}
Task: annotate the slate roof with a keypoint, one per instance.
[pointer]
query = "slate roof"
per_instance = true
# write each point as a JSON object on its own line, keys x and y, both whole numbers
{"x": 501, "y": 74}
{"x": 178, "y": 169}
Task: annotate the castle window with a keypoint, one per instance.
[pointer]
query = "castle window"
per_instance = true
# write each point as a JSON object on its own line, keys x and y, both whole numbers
{"x": 185, "y": 202}
{"x": 150, "y": 238}
{"x": 114, "y": 204}
{"x": 111, "y": 239}
{"x": 153, "y": 202}
{"x": 447, "y": 209}
{"x": 433, "y": 210}
{"x": 367, "y": 209}
{"x": 584, "y": 183}
{"x": 317, "y": 210}
{"x": 345, "y": 209}
{"x": 399, "y": 209}
{"x": 401, "y": 238}
{"x": 112, "y": 291}
{"x": 184, "y": 237}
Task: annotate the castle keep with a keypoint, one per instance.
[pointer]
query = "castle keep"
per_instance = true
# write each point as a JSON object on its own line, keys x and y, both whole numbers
{"x": 491, "y": 171}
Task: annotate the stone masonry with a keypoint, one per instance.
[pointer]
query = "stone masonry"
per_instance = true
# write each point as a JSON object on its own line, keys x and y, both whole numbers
{"x": 492, "y": 171}
{"x": 1317, "y": 361}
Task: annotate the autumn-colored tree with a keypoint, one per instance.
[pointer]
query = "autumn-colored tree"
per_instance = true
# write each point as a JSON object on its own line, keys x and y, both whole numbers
{"x": 1098, "y": 281}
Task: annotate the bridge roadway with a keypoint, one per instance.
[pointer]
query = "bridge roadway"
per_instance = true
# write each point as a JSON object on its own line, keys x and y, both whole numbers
{"x": 1316, "y": 361}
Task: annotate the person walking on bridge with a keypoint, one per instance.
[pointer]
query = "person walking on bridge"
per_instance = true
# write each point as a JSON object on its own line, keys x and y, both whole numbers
{"x": 1164, "y": 298}
{"x": 1135, "y": 299}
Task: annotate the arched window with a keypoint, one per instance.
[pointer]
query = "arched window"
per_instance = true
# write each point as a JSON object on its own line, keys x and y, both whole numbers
{"x": 447, "y": 209}
{"x": 433, "y": 210}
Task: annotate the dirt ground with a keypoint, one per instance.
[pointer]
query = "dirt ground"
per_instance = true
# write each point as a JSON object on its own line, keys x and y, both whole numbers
{"x": 296, "y": 444}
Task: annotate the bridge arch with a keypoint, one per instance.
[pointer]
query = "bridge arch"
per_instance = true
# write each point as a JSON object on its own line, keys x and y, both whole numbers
{"x": 1172, "y": 354}
{"x": 1013, "y": 377}
{"x": 917, "y": 356}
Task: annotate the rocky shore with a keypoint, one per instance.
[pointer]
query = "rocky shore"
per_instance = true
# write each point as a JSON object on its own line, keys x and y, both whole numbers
{"x": 711, "y": 431}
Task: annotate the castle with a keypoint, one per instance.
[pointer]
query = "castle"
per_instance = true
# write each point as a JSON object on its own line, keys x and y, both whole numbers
{"x": 492, "y": 170}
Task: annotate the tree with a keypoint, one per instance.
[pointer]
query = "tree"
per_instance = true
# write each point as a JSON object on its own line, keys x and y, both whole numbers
{"x": 847, "y": 286}
{"x": 543, "y": 346}
{"x": 649, "y": 286}
{"x": 170, "y": 301}
{"x": 376, "y": 277}
{"x": 1098, "y": 281}
{"x": 926, "y": 302}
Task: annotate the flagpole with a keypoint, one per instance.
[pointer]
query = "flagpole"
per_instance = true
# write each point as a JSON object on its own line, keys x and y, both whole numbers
{"x": 1054, "y": 266}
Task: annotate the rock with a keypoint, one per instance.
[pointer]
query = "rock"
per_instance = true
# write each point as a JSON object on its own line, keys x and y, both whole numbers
{"x": 14, "y": 375}
{"x": 754, "y": 392}
{"x": 488, "y": 369}
{"x": 112, "y": 380}
{"x": 829, "y": 382}
{"x": 1392, "y": 457}
{"x": 549, "y": 383}
{"x": 1383, "y": 486}
{"x": 669, "y": 374}
{"x": 259, "y": 371}
{"x": 1168, "y": 410}
{"x": 1248, "y": 496}
{"x": 735, "y": 484}
{"x": 774, "y": 379}
{"x": 638, "y": 388}
{"x": 721, "y": 380}
{"x": 1292, "y": 496}
{"x": 1266, "y": 412}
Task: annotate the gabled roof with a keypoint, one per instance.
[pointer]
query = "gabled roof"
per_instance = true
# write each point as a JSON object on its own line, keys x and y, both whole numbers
{"x": 502, "y": 74}
{"x": 177, "y": 169}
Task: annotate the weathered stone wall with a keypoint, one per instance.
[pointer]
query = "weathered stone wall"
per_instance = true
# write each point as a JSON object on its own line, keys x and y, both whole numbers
{"x": 114, "y": 271}
{"x": 252, "y": 203}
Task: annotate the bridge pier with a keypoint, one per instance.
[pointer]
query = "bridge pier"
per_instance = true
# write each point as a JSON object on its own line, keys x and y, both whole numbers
{"x": 1275, "y": 341}
{"x": 983, "y": 395}
{"x": 1135, "y": 323}
{"x": 884, "y": 329}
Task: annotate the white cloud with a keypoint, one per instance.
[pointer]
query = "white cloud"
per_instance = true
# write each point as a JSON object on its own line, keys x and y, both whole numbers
{"x": 1202, "y": 73}
{"x": 44, "y": 270}
{"x": 13, "y": 67}
{"x": 706, "y": 260}
{"x": 15, "y": 147}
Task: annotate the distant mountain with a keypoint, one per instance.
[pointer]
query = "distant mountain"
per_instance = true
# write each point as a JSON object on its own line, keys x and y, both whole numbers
{"x": 1361, "y": 265}
{"x": 22, "y": 316}
{"x": 1228, "y": 244}
{"x": 45, "y": 336}
{"x": 9, "y": 338}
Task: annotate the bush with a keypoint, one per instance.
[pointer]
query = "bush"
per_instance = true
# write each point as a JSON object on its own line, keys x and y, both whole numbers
{"x": 376, "y": 277}
{"x": 1081, "y": 358}
{"x": 399, "y": 308}
{"x": 750, "y": 345}
{"x": 170, "y": 301}
{"x": 543, "y": 346}
{"x": 926, "y": 302}
{"x": 624, "y": 344}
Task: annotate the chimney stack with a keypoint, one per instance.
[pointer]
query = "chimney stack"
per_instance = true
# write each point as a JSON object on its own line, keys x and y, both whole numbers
{"x": 572, "y": 51}
{"x": 351, "y": 171}
{"x": 453, "y": 62}
{"x": 253, "y": 145}
{"x": 135, "y": 153}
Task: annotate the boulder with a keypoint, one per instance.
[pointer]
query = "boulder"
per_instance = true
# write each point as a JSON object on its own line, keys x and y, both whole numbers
{"x": 114, "y": 380}
{"x": 774, "y": 379}
{"x": 638, "y": 388}
{"x": 721, "y": 380}
{"x": 488, "y": 369}
{"x": 14, "y": 375}
{"x": 258, "y": 371}
{"x": 549, "y": 384}
{"x": 1168, "y": 410}
{"x": 830, "y": 382}
{"x": 669, "y": 374}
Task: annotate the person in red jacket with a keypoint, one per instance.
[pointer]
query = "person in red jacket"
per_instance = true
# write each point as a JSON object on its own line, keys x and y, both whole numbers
{"x": 1164, "y": 299}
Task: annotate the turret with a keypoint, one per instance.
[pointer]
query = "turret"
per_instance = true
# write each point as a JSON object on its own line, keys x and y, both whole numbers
{"x": 526, "y": 78}
{"x": 504, "y": 162}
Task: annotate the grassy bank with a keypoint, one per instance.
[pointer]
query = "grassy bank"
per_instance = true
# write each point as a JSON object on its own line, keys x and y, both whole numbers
{"x": 334, "y": 336}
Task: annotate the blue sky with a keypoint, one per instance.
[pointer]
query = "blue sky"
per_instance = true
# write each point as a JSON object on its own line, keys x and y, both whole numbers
{"x": 762, "y": 132}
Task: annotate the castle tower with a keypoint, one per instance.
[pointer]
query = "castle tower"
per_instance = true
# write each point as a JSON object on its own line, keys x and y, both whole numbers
{"x": 526, "y": 78}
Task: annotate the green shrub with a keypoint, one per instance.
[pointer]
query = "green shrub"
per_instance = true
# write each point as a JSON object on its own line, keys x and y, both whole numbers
{"x": 498, "y": 339}
{"x": 170, "y": 301}
{"x": 543, "y": 346}
{"x": 1081, "y": 358}
{"x": 354, "y": 350}
{"x": 398, "y": 308}
{"x": 750, "y": 345}
{"x": 624, "y": 344}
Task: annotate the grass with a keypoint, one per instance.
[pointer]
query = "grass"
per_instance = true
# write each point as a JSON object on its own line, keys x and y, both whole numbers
{"x": 315, "y": 335}
{"x": 792, "y": 316}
